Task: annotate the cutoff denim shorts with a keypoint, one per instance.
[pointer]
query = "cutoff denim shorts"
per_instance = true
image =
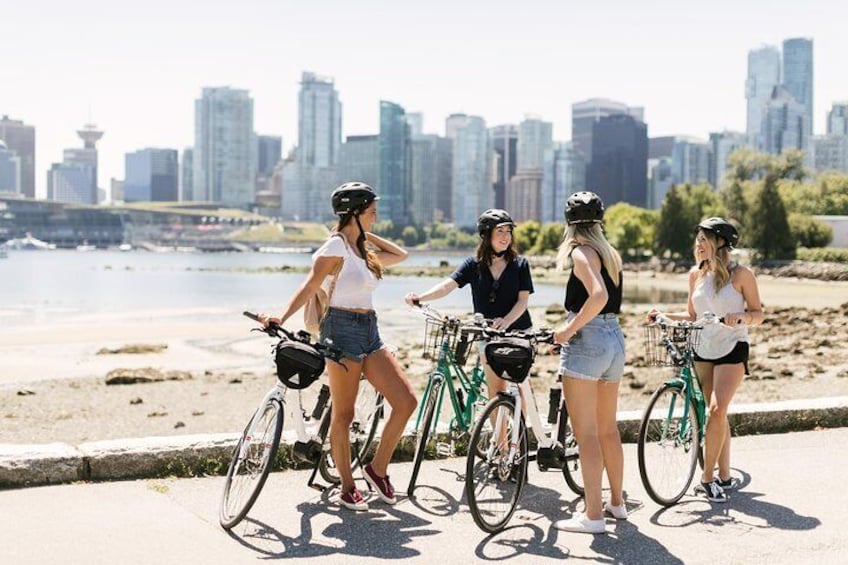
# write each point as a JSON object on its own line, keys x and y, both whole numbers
{"x": 596, "y": 352}
{"x": 354, "y": 333}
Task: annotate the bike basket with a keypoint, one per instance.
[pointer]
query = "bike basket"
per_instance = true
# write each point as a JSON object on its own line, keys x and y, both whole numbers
{"x": 298, "y": 364}
{"x": 656, "y": 353}
{"x": 437, "y": 332}
{"x": 511, "y": 358}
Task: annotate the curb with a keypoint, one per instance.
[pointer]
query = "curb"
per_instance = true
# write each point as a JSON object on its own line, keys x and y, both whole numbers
{"x": 209, "y": 454}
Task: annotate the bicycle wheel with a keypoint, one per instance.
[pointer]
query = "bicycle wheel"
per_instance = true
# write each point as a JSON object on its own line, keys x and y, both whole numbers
{"x": 571, "y": 468}
{"x": 668, "y": 445}
{"x": 367, "y": 413}
{"x": 493, "y": 483}
{"x": 423, "y": 431}
{"x": 252, "y": 461}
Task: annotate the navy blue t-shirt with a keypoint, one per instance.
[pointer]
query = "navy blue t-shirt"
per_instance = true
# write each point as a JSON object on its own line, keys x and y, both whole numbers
{"x": 495, "y": 299}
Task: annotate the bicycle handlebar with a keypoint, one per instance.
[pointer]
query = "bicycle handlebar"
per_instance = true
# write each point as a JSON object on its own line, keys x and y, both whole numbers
{"x": 274, "y": 329}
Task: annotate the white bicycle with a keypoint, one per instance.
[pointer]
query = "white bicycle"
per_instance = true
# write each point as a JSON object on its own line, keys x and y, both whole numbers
{"x": 256, "y": 451}
{"x": 496, "y": 469}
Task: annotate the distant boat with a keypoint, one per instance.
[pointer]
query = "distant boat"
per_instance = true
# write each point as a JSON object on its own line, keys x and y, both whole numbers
{"x": 28, "y": 243}
{"x": 3, "y": 253}
{"x": 125, "y": 247}
{"x": 85, "y": 246}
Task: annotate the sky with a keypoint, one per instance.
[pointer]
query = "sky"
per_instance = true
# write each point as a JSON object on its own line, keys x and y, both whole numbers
{"x": 135, "y": 69}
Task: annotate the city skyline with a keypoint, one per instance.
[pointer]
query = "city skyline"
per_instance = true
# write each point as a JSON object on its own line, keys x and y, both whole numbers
{"x": 141, "y": 91}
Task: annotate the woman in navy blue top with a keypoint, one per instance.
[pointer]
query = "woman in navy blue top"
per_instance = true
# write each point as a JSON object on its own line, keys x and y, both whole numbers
{"x": 500, "y": 281}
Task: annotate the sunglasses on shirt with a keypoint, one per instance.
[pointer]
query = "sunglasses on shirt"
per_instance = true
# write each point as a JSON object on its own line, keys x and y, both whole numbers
{"x": 493, "y": 295}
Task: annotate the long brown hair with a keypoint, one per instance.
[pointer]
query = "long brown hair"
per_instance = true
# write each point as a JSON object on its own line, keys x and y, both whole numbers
{"x": 369, "y": 256}
{"x": 485, "y": 251}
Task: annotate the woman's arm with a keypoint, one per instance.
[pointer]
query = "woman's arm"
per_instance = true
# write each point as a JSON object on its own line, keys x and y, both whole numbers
{"x": 516, "y": 312}
{"x": 322, "y": 267}
{"x": 690, "y": 315}
{"x": 440, "y": 290}
{"x": 587, "y": 268}
{"x": 388, "y": 253}
{"x": 753, "y": 314}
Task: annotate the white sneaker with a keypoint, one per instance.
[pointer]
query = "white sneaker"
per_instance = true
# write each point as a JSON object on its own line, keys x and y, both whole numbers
{"x": 581, "y": 524}
{"x": 618, "y": 512}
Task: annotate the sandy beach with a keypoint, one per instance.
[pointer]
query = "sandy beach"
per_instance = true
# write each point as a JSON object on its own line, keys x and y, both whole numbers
{"x": 212, "y": 371}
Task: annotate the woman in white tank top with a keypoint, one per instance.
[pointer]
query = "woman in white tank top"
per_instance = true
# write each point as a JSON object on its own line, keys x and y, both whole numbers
{"x": 351, "y": 325}
{"x": 729, "y": 291}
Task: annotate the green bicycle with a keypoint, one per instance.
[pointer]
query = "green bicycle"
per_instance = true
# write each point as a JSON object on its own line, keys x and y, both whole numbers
{"x": 671, "y": 434}
{"x": 447, "y": 339}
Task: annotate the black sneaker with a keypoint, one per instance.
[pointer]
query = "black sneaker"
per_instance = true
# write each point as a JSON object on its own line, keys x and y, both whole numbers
{"x": 729, "y": 484}
{"x": 712, "y": 490}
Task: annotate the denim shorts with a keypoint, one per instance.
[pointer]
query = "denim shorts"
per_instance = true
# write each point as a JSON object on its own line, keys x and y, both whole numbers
{"x": 355, "y": 333}
{"x": 596, "y": 352}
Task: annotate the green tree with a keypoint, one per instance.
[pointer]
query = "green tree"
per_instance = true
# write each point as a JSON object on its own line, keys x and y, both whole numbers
{"x": 674, "y": 229}
{"x": 808, "y": 231}
{"x": 410, "y": 236}
{"x": 548, "y": 240}
{"x": 768, "y": 227}
{"x": 526, "y": 234}
{"x": 630, "y": 229}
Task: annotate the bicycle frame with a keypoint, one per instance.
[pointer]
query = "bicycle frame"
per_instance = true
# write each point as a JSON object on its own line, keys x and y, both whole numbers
{"x": 451, "y": 372}
{"x": 545, "y": 439}
{"x": 688, "y": 380}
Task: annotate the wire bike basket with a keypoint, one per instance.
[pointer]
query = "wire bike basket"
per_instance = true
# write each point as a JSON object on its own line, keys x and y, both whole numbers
{"x": 436, "y": 331}
{"x": 684, "y": 337}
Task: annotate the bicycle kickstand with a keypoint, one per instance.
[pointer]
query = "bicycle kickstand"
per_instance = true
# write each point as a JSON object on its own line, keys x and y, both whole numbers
{"x": 311, "y": 483}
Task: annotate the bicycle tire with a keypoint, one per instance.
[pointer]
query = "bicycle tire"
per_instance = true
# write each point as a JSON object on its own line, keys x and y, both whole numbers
{"x": 481, "y": 470}
{"x": 571, "y": 469}
{"x": 230, "y": 511}
{"x": 667, "y": 462}
{"x": 359, "y": 446}
{"x": 423, "y": 432}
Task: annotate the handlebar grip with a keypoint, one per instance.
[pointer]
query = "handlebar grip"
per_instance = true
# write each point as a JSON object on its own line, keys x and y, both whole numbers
{"x": 417, "y": 303}
{"x": 251, "y": 315}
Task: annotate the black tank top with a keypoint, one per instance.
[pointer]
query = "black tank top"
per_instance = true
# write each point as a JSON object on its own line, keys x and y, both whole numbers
{"x": 576, "y": 294}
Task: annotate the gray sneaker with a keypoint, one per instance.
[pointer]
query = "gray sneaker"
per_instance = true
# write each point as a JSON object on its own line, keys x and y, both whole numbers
{"x": 729, "y": 484}
{"x": 712, "y": 490}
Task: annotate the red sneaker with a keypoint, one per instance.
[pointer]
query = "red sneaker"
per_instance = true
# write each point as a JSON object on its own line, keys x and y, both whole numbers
{"x": 381, "y": 484}
{"x": 353, "y": 500}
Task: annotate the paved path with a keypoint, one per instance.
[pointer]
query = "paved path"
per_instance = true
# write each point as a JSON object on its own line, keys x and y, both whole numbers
{"x": 792, "y": 509}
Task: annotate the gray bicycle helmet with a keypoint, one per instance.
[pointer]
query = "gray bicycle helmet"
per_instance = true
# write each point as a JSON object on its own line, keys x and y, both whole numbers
{"x": 584, "y": 208}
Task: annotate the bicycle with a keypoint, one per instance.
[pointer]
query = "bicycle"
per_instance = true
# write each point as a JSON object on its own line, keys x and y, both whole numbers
{"x": 465, "y": 390}
{"x": 257, "y": 447}
{"x": 496, "y": 469}
{"x": 671, "y": 434}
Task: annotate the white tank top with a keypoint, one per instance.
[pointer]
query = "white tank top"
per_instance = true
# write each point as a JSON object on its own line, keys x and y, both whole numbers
{"x": 718, "y": 340}
{"x": 356, "y": 283}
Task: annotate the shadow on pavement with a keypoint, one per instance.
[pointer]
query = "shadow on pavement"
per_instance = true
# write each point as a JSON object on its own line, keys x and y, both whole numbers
{"x": 382, "y": 532}
{"x": 741, "y": 501}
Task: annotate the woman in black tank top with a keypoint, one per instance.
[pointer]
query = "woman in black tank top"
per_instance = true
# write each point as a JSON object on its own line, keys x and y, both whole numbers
{"x": 592, "y": 358}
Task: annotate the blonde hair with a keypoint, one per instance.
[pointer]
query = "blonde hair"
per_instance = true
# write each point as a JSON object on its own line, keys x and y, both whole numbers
{"x": 720, "y": 264}
{"x": 590, "y": 235}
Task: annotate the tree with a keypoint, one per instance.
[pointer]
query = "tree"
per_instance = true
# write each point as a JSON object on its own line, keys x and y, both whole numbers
{"x": 410, "y": 236}
{"x": 526, "y": 234}
{"x": 808, "y": 231}
{"x": 674, "y": 230}
{"x": 549, "y": 238}
{"x": 630, "y": 229}
{"x": 768, "y": 227}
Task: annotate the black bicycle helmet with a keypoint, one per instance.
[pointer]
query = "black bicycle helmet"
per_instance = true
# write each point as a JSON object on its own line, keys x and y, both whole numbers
{"x": 584, "y": 208}
{"x": 490, "y": 219}
{"x": 722, "y": 228}
{"x": 352, "y": 196}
